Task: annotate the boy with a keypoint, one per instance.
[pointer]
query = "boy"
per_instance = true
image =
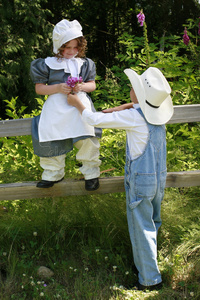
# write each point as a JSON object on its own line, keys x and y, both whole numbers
{"x": 145, "y": 169}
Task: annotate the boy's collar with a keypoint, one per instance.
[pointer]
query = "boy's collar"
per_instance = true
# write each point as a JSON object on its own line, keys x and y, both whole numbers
{"x": 136, "y": 105}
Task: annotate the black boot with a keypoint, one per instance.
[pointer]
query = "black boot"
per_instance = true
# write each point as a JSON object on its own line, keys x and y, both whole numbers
{"x": 47, "y": 183}
{"x": 92, "y": 184}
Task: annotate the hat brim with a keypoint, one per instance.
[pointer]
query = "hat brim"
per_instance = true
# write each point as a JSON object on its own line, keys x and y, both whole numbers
{"x": 156, "y": 116}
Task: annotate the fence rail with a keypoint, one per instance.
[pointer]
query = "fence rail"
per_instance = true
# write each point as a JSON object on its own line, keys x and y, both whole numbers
{"x": 67, "y": 187}
{"x": 182, "y": 114}
{"x": 28, "y": 190}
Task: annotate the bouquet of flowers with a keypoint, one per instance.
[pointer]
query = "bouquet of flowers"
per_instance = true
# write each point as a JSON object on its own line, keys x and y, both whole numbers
{"x": 72, "y": 81}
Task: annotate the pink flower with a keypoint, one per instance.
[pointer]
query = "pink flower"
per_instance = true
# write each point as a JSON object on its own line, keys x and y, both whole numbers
{"x": 186, "y": 38}
{"x": 141, "y": 18}
{"x": 72, "y": 81}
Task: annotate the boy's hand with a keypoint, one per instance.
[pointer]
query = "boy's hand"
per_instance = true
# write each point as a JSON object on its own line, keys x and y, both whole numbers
{"x": 118, "y": 108}
{"x": 110, "y": 110}
{"x": 75, "y": 101}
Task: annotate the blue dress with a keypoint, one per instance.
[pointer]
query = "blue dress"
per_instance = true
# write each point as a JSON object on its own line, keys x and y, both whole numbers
{"x": 41, "y": 73}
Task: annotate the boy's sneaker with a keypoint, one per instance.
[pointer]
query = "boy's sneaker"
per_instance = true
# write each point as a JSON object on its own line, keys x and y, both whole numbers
{"x": 144, "y": 288}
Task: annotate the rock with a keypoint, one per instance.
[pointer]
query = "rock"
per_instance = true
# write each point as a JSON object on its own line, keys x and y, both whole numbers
{"x": 44, "y": 272}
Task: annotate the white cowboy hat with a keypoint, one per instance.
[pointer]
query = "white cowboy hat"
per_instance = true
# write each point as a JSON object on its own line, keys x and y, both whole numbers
{"x": 153, "y": 93}
{"x": 65, "y": 31}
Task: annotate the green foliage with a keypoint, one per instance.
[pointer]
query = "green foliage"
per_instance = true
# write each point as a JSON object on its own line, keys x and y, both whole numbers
{"x": 110, "y": 91}
{"x": 16, "y": 153}
{"x": 24, "y": 34}
{"x": 179, "y": 64}
{"x": 113, "y": 151}
{"x": 182, "y": 144}
{"x": 12, "y": 111}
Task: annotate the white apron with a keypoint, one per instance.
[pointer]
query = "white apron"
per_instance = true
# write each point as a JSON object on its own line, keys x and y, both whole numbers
{"x": 59, "y": 120}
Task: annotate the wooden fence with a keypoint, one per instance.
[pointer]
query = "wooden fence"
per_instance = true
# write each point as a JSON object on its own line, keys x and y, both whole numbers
{"x": 28, "y": 190}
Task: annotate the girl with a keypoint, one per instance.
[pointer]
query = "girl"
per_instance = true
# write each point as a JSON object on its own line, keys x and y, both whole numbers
{"x": 60, "y": 126}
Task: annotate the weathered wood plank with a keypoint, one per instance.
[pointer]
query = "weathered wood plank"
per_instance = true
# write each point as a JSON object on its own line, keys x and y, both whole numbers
{"x": 182, "y": 114}
{"x": 185, "y": 114}
{"x": 28, "y": 190}
{"x": 15, "y": 127}
{"x": 183, "y": 179}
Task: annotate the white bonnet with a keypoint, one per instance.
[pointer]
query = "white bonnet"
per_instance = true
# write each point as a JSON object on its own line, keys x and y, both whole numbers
{"x": 65, "y": 31}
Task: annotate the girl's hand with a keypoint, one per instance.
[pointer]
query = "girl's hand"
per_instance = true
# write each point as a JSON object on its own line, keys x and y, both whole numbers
{"x": 78, "y": 88}
{"x": 87, "y": 87}
{"x": 63, "y": 88}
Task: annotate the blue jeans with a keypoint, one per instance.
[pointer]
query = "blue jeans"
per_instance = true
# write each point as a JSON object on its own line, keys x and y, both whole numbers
{"x": 144, "y": 193}
{"x": 145, "y": 179}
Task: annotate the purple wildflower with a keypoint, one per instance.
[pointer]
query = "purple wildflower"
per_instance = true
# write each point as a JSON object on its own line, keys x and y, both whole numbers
{"x": 72, "y": 81}
{"x": 141, "y": 18}
{"x": 186, "y": 37}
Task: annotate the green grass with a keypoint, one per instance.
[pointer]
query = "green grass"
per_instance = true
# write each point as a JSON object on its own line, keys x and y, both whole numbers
{"x": 85, "y": 242}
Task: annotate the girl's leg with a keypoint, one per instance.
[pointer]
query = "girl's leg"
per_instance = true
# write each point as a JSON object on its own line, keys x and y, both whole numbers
{"x": 88, "y": 155}
{"x": 53, "y": 167}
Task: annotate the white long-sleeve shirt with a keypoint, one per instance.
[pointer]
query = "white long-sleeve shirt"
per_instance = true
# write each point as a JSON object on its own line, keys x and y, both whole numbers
{"x": 129, "y": 120}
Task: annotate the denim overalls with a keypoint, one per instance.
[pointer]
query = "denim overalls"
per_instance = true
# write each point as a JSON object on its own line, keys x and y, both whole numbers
{"x": 145, "y": 179}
